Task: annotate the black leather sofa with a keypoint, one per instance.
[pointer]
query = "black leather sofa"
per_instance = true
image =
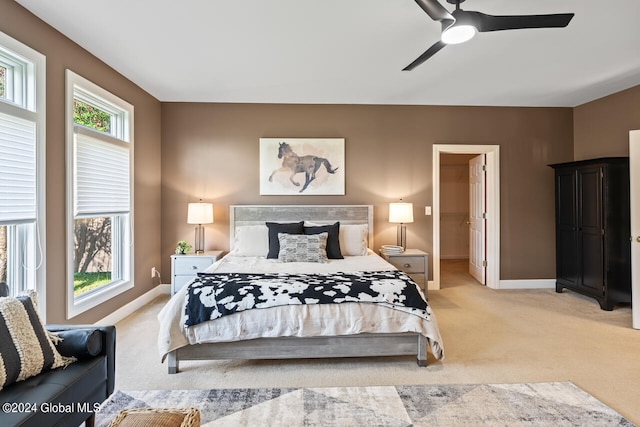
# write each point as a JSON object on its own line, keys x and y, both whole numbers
{"x": 65, "y": 396}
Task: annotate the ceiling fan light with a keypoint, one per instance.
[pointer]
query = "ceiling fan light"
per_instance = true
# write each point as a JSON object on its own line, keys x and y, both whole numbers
{"x": 458, "y": 34}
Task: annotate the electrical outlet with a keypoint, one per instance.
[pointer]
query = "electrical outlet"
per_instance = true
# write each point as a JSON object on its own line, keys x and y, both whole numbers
{"x": 154, "y": 272}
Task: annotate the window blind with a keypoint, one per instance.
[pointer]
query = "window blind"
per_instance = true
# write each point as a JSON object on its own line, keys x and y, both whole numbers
{"x": 17, "y": 169}
{"x": 101, "y": 177}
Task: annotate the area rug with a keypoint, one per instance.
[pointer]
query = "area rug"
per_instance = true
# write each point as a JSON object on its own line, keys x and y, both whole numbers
{"x": 532, "y": 404}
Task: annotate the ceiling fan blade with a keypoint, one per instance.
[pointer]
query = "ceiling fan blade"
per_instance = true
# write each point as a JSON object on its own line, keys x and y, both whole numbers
{"x": 426, "y": 55}
{"x": 486, "y": 22}
{"x": 435, "y": 10}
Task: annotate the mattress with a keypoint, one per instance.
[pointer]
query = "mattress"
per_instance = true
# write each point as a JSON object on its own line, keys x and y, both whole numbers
{"x": 293, "y": 321}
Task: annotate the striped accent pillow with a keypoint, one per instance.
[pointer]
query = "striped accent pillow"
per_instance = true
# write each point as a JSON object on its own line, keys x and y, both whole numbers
{"x": 27, "y": 348}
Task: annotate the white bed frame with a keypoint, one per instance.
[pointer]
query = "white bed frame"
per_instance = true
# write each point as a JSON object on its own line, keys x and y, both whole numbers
{"x": 361, "y": 345}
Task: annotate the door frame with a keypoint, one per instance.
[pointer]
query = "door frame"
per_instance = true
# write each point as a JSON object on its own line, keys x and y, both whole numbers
{"x": 492, "y": 153}
{"x": 634, "y": 178}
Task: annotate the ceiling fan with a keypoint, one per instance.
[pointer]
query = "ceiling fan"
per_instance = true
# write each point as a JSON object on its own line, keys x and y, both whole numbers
{"x": 461, "y": 25}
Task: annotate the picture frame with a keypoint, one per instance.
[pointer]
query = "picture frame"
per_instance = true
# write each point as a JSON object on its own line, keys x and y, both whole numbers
{"x": 302, "y": 166}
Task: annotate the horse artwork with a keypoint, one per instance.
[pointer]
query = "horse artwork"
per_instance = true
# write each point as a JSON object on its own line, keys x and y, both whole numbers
{"x": 310, "y": 157}
{"x": 295, "y": 164}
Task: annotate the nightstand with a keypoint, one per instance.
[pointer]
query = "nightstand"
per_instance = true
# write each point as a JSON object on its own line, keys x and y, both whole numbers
{"x": 414, "y": 263}
{"x": 185, "y": 267}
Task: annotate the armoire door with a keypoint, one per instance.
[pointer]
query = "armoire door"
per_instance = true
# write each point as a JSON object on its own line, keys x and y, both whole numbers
{"x": 591, "y": 229}
{"x": 567, "y": 263}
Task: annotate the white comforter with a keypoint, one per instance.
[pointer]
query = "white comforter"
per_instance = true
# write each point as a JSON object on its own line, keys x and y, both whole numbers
{"x": 292, "y": 321}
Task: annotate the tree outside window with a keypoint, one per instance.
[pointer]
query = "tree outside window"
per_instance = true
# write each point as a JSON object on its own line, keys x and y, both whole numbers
{"x": 3, "y": 78}
{"x": 92, "y": 236}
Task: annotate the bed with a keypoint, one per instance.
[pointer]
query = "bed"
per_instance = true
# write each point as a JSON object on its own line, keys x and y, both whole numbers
{"x": 348, "y": 329}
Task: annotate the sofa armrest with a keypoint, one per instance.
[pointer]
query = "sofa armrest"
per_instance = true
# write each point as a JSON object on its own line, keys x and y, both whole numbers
{"x": 108, "y": 347}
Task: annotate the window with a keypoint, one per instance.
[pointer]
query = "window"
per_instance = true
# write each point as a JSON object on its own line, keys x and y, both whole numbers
{"x": 3, "y": 81}
{"x": 100, "y": 166}
{"x": 22, "y": 170}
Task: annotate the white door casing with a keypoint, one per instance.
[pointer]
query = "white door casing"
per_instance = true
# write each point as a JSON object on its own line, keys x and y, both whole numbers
{"x": 634, "y": 178}
{"x": 477, "y": 221}
{"x": 492, "y": 207}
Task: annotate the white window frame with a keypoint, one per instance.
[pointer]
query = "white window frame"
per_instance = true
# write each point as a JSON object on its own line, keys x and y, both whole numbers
{"x": 26, "y": 99}
{"x": 121, "y": 134}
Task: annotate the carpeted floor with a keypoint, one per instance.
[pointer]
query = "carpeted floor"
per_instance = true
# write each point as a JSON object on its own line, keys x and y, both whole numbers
{"x": 532, "y": 404}
{"x": 490, "y": 337}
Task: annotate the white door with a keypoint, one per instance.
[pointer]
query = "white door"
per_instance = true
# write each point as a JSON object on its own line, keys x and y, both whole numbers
{"x": 477, "y": 219}
{"x": 634, "y": 165}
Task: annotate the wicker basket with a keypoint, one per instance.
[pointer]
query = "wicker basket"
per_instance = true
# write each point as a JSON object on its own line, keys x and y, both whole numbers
{"x": 157, "y": 417}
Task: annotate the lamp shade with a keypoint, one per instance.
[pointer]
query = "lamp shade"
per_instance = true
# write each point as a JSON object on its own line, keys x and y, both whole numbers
{"x": 200, "y": 213}
{"x": 401, "y": 212}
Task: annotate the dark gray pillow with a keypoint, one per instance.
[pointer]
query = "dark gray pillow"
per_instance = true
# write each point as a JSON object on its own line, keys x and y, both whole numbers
{"x": 4, "y": 289}
{"x": 279, "y": 227}
{"x": 333, "y": 241}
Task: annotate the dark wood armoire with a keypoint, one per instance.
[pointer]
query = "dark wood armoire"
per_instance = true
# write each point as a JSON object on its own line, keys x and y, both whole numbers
{"x": 593, "y": 231}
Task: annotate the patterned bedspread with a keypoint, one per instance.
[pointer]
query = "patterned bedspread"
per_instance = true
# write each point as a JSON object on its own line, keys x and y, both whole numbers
{"x": 211, "y": 296}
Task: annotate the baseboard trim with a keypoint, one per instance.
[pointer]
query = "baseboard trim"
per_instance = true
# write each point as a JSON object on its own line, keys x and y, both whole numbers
{"x": 528, "y": 284}
{"x": 134, "y": 305}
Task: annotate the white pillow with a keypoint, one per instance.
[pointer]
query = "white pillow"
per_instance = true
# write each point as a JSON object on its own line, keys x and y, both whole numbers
{"x": 251, "y": 240}
{"x": 318, "y": 223}
{"x": 353, "y": 239}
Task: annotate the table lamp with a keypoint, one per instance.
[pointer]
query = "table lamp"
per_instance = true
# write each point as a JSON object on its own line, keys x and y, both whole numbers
{"x": 200, "y": 213}
{"x": 401, "y": 213}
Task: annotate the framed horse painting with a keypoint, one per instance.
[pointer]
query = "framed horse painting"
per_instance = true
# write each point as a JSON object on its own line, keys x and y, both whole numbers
{"x": 302, "y": 166}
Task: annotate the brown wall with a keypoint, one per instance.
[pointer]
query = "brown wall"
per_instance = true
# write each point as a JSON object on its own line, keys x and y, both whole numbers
{"x": 210, "y": 151}
{"x": 601, "y": 127}
{"x": 61, "y": 54}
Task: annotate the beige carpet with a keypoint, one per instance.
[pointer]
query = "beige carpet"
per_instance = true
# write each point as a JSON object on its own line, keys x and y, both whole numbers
{"x": 507, "y": 336}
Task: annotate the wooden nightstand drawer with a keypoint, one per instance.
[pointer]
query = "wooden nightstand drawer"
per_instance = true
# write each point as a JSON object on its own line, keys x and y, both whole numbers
{"x": 414, "y": 263}
{"x": 192, "y": 265}
{"x": 408, "y": 264}
{"x": 179, "y": 280}
{"x": 420, "y": 279}
{"x": 186, "y": 267}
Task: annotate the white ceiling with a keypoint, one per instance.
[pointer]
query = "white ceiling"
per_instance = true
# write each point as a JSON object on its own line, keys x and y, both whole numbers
{"x": 353, "y": 51}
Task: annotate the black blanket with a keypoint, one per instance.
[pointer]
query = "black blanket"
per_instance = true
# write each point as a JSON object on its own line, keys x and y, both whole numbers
{"x": 211, "y": 296}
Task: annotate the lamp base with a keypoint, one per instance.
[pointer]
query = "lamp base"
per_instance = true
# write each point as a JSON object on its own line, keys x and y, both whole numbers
{"x": 199, "y": 239}
{"x": 402, "y": 236}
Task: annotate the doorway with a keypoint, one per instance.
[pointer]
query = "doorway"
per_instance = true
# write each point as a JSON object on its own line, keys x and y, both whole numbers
{"x": 462, "y": 242}
{"x": 492, "y": 248}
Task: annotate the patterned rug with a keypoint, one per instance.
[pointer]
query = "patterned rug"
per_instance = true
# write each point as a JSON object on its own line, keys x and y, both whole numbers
{"x": 533, "y": 404}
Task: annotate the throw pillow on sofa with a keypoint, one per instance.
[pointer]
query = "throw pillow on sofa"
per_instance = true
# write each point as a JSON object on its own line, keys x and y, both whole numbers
{"x": 27, "y": 348}
{"x": 82, "y": 343}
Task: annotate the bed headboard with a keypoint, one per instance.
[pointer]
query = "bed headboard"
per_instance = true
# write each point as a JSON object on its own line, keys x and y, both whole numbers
{"x": 325, "y": 214}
